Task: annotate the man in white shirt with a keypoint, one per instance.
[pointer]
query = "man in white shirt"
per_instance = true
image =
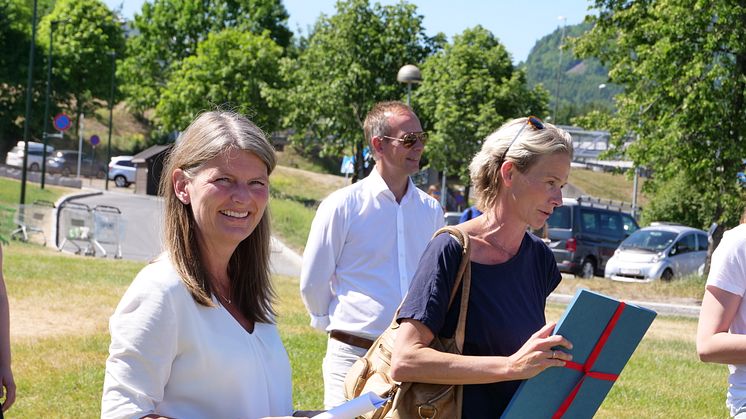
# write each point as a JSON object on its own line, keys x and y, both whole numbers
{"x": 365, "y": 243}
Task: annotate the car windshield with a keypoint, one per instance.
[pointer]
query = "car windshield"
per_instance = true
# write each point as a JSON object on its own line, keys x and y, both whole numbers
{"x": 652, "y": 240}
{"x": 560, "y": 218}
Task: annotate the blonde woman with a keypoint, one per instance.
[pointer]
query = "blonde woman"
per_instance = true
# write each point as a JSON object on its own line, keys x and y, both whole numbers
{"x": 518, "y": 176}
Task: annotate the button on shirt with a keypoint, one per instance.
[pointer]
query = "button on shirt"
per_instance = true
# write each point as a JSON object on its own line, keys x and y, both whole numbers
{"x": 362, "y": 251}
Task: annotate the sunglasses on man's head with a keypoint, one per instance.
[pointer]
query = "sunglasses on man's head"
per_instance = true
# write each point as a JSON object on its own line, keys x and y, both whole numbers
{"x": 532, "y": 121}
{"x": 409, "y": 139}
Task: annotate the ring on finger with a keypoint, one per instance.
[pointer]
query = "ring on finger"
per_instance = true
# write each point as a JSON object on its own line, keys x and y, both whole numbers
{"x": 554, "y": 355}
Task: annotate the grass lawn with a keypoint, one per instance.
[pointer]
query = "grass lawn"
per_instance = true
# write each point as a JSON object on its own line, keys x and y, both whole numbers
{"x": 60, "y": 306}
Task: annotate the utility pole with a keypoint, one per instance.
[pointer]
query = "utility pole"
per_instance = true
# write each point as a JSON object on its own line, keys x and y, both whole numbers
{"x": 45, "y": 134}
{"x": 27, "y": 120}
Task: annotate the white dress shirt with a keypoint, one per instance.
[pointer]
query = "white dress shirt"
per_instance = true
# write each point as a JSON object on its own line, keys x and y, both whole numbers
{"x": 361, "y": 254}
{"x": 174, "y": 357}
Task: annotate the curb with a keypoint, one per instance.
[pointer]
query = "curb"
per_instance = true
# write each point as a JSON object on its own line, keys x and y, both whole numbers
{"x": 663, "y": 309}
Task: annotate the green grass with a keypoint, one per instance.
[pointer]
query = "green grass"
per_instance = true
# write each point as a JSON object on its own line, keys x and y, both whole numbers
{"x": 607, "y": 185}
{"x": 295, "y": 197}
{"x": 10, "y": 194}
{"x": 62, "y": 375}
{"x": 59, "y": 370}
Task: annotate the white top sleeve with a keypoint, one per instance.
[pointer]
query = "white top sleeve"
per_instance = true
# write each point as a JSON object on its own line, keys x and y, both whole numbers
{"x": 325, "y": 241}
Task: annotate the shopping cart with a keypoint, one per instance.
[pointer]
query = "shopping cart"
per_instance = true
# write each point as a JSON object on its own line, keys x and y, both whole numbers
{"x": 107, "y": 229}
{"x": 76, "y": 223}
{"x": 32, "y": 219}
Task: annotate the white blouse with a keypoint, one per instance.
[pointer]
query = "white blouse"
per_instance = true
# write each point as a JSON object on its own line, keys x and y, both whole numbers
{"x": 174, "y": 357}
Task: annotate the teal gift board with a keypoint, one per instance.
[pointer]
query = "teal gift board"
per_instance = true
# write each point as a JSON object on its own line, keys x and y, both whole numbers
{"x": 604, "y": 333}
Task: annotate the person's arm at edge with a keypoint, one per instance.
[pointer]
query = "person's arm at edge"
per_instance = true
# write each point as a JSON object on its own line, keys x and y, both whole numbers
{"x": 319, "y": 262}
{"x": 414, "y": 361}
{"x": 714, "y": 342}
{"x": 6, "y": 374}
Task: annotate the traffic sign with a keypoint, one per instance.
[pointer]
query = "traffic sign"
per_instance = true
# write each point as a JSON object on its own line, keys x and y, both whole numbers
{"x": 62, "y": 122}
{"x": 56, "y": 135}
{"x": 95, "y": 140}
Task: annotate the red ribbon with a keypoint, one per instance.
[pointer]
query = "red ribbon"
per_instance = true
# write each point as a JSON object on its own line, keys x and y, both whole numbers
{"x": 586, "y": 368}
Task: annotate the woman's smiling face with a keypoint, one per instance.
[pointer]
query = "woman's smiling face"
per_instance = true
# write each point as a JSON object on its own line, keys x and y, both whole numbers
{"x": 228, "y": 196}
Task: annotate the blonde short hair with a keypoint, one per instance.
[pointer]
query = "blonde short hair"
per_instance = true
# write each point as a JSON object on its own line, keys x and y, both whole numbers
{"x": 376, "y": 122}
{"x": 208, "y": 136}
{"x": 523, "y": 153}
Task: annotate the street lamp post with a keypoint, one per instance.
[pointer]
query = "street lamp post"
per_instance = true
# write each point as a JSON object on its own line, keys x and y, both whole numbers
{"x": 45, "y": 134}
{"x": 27, "y": 119}
{"x": 409, "y": 74}
{"x": 111, "y": 114}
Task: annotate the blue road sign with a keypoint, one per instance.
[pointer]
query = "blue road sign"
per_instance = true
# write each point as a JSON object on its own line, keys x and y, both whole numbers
{"x": 62, "y": 122}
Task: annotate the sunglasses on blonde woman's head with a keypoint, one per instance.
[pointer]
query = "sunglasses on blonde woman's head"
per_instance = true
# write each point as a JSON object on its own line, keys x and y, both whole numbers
{"x": 409, "y": 139}
{"x": 530, "y": 121}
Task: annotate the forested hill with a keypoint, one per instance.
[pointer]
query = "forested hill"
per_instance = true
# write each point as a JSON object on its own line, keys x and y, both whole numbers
{"x": 579, "y": 80}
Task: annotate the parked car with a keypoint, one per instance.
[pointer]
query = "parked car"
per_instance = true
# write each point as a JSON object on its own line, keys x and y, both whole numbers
{"x": 584, "y": 233}
{"x": 122, "y": 171}
{"x": 657, "y": 252}
{"x": 35, "y": 158}
{"x": 452, "y": 217}
{"x": 65, "y": 162}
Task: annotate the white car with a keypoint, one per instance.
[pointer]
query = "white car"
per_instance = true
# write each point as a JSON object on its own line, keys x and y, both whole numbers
{"x": 122, "y": 171}
{"x": 35, "y": 158}
{"x": 660, "y": 251}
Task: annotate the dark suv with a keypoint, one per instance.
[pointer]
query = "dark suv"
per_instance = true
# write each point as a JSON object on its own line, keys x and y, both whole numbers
{"x": 65, "y": 162}
{"x": 585, "y": 232}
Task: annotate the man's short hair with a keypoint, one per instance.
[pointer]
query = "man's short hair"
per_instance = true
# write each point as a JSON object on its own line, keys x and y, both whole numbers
{"x": 376, "y": 122}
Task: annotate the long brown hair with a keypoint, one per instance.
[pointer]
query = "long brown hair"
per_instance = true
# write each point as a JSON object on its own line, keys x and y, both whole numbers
{"x": 209, "y": 135}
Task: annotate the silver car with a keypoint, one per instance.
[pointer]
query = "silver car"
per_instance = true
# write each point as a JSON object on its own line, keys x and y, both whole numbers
{"x": 661, "y": 251}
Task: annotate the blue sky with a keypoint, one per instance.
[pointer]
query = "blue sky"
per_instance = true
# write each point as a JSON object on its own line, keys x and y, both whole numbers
{"x": 515, "y": 23}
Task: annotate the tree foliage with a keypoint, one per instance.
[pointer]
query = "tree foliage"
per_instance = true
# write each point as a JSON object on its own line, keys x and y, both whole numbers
{"x": 169, "y": 31}
{"x": 349, "y": 63}
{"x": 231, "y": 68}
{"x": 15, "y": 41}
{"x": 83, "y": 44}
{"x": 470, "y": 88}
{"x": 683, "y": 67}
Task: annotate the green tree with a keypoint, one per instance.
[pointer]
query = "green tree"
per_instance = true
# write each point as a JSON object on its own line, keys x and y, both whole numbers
{"x": 169, "y": 31}
{"x": 231, "y": 68}
{"x": 82, "y": 52}
{"x": 470, "y": 88}
{"x": 683, "y": 68}
{"x": 15, "y": 41}
{"x": 350, "y": 62}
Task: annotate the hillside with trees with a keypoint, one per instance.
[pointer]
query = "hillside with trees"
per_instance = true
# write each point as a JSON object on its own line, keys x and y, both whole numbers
{"x": 575, "y": 81}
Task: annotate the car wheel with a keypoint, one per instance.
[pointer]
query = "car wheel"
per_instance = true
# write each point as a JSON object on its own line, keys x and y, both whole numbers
{"x": 587, "y": 269}
{"x": 34, "y": 167}
{"x": 120, "y": 181}
{"x": 667, "y": 275}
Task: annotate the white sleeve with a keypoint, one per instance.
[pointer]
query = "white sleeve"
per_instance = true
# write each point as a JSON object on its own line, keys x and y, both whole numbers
{"x": 144, "y": 335}
{"x": 728, "y": 265}
{"x": 325, "y": 241}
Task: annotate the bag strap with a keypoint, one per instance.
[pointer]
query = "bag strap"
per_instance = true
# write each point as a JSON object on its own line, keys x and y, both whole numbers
{"x": 463, "y": 278}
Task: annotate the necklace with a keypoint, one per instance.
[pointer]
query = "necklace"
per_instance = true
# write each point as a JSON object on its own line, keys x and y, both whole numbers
{"x": 227, "y": 300}
{"x": 504, "y": 250}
